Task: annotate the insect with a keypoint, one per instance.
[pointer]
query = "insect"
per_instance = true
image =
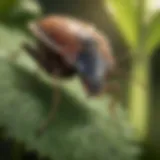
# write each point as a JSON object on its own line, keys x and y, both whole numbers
{"x": 67, "y": 47}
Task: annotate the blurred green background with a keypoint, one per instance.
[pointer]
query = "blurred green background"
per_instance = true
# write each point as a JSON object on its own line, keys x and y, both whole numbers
{"x": 84, "y": 129}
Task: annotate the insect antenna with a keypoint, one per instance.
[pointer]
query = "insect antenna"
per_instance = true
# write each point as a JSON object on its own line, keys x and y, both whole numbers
{"x": 120, "y": 70}
{"x": 129, "y": 56}
{"x": 52, "y": 113}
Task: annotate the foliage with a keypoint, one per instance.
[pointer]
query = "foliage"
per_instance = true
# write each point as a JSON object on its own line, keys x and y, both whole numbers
{"x": 83, "y": 128}
{"x": 140, "y": 28}
{"x": 136, "y": 23}
{"x": 153, "y": 34}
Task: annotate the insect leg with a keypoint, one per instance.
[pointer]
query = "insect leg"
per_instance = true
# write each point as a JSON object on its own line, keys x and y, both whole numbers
{"x": 36, "y": 54}
{"x": 114, "y": 89}
{"x": 54, "y": 106}
{"x": 121, "y": 73}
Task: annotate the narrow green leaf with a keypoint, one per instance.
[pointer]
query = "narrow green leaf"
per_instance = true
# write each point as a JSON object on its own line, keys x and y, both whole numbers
{"x": 124, "y": 13}
{"x": 141, "y": 12}
{"x": 153, "y": 33}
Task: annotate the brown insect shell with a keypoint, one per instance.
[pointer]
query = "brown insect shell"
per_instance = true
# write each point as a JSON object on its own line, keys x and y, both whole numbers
{"x": 64, "y": 33}
{"x": 66, "y": 30}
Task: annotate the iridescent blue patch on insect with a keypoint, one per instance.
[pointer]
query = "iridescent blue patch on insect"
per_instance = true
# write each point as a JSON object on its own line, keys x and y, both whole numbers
{"x": 92, "y": 67}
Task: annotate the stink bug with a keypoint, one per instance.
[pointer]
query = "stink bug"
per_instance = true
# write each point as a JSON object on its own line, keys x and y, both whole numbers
{"x": 66, "y": 47}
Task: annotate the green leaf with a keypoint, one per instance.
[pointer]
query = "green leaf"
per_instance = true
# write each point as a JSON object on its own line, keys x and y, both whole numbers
{"x": 124, "y": 13}
{"x": 141, "y": 13}
{"x": 6, "y": 6}
{"x": 20, "y": 12}
{"x": 82, "y": 129}
{"x": 153, "y": 33}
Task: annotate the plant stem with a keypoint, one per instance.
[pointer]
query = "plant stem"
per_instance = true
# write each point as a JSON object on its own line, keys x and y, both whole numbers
{"x": 139, "y": 98}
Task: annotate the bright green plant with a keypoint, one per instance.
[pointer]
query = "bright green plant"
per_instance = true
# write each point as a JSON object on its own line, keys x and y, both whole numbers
{"x": 141, "y": 30}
